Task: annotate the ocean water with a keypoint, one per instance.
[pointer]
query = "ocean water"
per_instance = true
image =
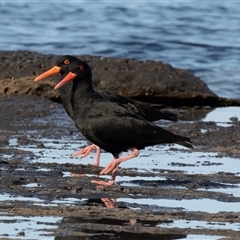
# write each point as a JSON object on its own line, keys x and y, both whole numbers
{"x": 201, "y": 36}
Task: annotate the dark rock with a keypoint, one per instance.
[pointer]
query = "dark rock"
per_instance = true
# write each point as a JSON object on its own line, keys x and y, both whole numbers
{"x": 143, "y": 80}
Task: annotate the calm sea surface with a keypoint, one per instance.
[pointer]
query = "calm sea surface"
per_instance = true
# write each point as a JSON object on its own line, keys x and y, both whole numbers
{"x": 201, "y": 36}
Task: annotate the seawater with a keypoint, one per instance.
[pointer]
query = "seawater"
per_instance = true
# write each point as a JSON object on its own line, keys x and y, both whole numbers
{"x": 201, "y": 36}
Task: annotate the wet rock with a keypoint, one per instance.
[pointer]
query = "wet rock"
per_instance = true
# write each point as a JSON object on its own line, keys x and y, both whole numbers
{"x": 143, "y": 80}
{"x": 233, "y": 119}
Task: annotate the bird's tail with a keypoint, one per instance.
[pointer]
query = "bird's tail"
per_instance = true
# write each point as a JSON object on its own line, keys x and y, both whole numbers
{"x": 186, "y": 143}
{"x": 169, "y": 116}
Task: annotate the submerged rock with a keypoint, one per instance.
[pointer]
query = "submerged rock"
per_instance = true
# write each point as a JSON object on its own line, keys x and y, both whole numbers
{"x": 149, "y": 81}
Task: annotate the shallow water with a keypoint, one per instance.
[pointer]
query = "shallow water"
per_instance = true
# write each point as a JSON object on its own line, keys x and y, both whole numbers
{"x": 28, "y": 227}
{"x": 202, "y": 205}
{"x": 203, "y": 38}
{"x": 223, "y": 115}
{"x": 202, "y": 224}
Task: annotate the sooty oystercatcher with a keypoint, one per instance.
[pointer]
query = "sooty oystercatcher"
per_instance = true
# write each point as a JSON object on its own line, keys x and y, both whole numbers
{"x": 109, "y": 125}
{"x": 150, "y": 112}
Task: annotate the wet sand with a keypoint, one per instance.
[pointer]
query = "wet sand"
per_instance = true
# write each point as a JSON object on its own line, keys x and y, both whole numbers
{"x": 168, "y": 192}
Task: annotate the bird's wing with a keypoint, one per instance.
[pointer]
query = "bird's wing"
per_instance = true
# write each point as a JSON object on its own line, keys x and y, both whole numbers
{"x": 118, "y": 126}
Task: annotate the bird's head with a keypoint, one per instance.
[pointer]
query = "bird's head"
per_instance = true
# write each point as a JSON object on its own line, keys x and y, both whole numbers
{"x": 77, "y": 70}
{"x": 61, "y": 66}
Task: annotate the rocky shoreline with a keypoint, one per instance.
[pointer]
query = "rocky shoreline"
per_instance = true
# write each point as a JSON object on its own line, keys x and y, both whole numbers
{"x": 148, "y": 81}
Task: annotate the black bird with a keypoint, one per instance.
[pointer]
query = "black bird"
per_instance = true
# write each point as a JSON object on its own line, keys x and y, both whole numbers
{"x": 109, "y": 125}
{"x": 150, "y": 112}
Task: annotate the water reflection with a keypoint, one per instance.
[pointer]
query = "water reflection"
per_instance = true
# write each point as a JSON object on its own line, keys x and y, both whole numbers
{"x": 194, "y": 114}
{"x": 109, "y": 228}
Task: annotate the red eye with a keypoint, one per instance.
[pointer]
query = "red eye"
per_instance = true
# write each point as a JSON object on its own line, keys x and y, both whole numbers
{"x": 66, "y": 62}
{"x": 81, "y": 68}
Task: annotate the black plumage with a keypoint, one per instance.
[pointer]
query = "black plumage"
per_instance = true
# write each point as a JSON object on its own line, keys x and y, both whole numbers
{"x": 109, "y": 125}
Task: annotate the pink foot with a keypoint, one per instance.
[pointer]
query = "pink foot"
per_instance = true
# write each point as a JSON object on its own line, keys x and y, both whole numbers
{"x": 86, "y": 151}
{"x": 110, "y": 182}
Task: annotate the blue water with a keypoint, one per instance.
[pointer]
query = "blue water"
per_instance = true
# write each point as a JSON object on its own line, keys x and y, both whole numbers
{"x": 201, "y": 36}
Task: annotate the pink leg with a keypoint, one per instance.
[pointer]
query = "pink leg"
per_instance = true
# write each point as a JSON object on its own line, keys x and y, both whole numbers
{"x": 97, "y": 159}
{"x": 113, "y": 166}
{"x": 115, "y": 162}
{"x": 86, "y": 151}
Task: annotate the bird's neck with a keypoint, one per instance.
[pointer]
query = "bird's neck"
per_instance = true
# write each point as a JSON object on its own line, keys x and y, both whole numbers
{"x": 82, "y": 86}
{"x": 81, "y": 92}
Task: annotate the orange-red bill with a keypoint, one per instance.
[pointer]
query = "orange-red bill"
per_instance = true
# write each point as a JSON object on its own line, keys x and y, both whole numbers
{"x": 68, "y": 78}
{"x": 50, "y": 72}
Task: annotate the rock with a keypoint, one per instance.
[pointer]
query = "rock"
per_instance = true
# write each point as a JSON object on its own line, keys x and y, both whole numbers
{"x": 233, "y": 119}
{"x": 143, "y": 80}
